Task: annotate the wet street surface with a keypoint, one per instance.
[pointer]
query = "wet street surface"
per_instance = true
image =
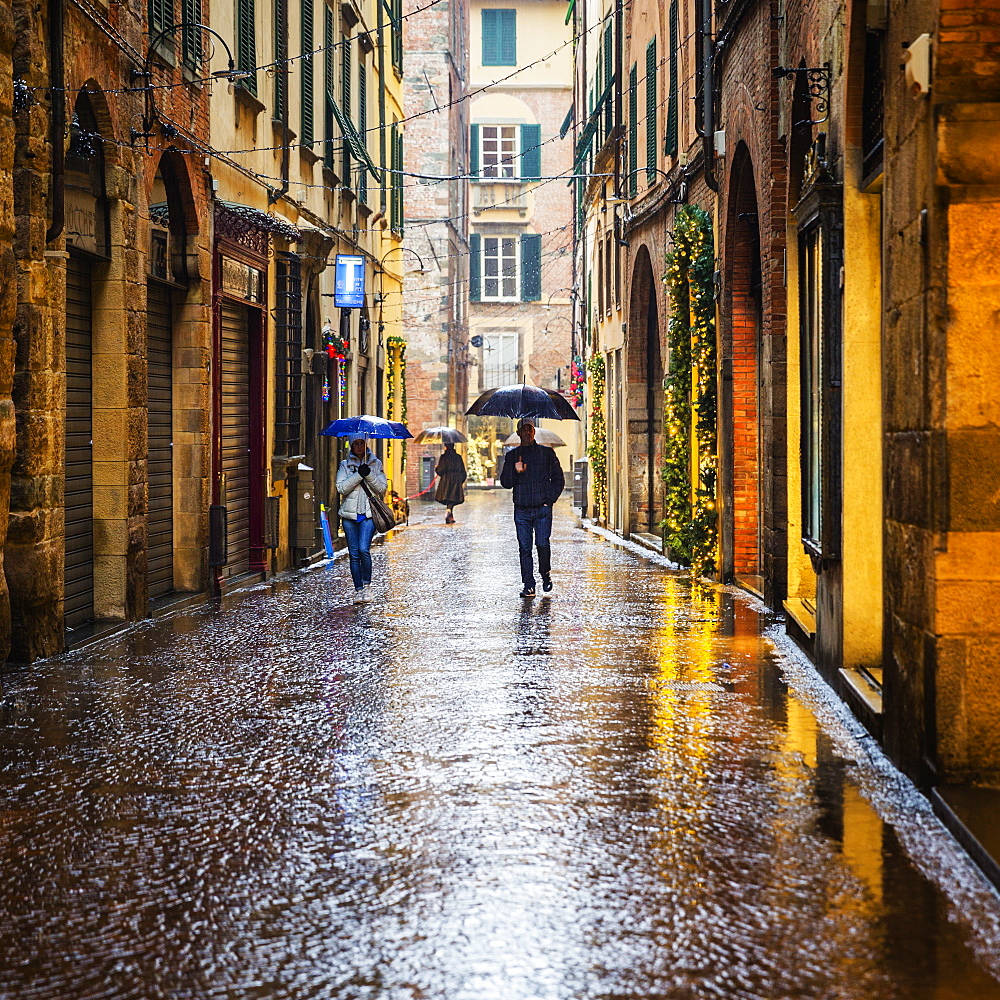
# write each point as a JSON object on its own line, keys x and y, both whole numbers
{"x": 615, "y": 792}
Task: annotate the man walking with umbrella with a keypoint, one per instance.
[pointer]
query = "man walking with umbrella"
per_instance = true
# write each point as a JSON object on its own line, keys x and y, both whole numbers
{"x": 534, "y": 474}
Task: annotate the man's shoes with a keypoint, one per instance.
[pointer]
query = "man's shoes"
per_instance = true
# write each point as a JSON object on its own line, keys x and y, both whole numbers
{"x": 359, "y": 596}
{"x": 528, "y": 592}
{"x": 546, "y": 583}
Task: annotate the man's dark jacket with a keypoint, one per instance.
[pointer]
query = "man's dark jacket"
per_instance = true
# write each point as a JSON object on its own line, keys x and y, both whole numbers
{"x": 541, "y": 482}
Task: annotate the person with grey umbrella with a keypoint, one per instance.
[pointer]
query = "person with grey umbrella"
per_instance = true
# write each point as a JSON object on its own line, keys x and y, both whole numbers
{"x": 534, "y": 474}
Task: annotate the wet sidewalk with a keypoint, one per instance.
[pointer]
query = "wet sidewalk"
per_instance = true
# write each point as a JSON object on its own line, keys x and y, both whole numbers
{"x": 621, "y": 791}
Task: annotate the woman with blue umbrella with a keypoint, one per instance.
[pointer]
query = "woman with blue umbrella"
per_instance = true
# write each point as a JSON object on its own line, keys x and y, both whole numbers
{"x": 362, "y": 466}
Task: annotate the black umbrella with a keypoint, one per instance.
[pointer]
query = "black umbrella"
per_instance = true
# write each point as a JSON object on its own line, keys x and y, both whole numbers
{"x": 523, "y": 401}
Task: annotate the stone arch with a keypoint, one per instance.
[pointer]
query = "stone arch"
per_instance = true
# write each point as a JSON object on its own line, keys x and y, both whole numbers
{"x": 644, "y": 413}
{"x": 742, "y": 466}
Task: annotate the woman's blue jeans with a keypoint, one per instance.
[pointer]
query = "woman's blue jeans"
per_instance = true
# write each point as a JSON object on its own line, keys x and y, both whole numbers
{"x": 359, "y": 535}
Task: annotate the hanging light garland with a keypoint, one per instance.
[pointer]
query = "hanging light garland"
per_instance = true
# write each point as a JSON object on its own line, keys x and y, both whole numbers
{"x": 395, "y": 391}
{"x": 597, "y": 450}
{"x": 690, "y": 527}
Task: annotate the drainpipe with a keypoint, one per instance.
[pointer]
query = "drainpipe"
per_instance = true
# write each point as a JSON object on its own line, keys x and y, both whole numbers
{"x": 58, "y": 122}
{"x": 708, "y": 94}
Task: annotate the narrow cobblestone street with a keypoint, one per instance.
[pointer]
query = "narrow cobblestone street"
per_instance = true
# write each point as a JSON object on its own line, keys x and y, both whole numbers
{"x": 454, "y": 794}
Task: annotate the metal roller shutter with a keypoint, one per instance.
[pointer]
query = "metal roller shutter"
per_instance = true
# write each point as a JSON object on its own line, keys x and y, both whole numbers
{"x": 79, "y": 484}
{"x": 160, "y": 519}
{"x": 236, "y": 433}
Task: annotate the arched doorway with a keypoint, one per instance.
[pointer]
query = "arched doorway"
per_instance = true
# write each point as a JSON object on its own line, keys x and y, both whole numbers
{"x": 645, "y": 400}
{"x": 742, "y": 441}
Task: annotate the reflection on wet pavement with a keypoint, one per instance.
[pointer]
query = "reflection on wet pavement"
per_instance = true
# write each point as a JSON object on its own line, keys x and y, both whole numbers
{"x": 454, "y": 794}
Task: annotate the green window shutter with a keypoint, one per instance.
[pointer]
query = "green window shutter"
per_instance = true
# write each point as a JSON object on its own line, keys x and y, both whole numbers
{"x": 399, "y": 183}
{"x": 161, "y": 15}
{"x": 651, "y": 111}
{"x": 609, "y": 56}
{"x": 345, "y": 104}
{"x": 329, "y": 83}
{"x": 531, "y": 267}
{"x": 396, "y": 185}
{"x": 499, "y": 37}
{"x": 671, "y": 140}
{"x": 362, "y": 120}
{"x": 474, "y": 150}
{"x": 633, "y": 132}
{"x": 246, "y": 43}
{"x": 190, "y": 35}
{"x": 280, "y": 109}
{"x": 531, "y": 152}
{"x": 307, "y": 127}
{"x": 475, "y": 267}
{"x": 397, "y": 35}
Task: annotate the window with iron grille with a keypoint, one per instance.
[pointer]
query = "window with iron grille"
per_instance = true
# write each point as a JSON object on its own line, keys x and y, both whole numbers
{"x": 288, "y": 356}
{"x": 872, "y": 107}
{"x": 308, "y": 82}
{"x": 246, "y": 44}
{"x": 281, "y": 59}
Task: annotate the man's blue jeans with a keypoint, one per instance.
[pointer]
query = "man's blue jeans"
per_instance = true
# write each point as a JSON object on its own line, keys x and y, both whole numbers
{"x": 535, "y": 521}
{"x": 359, "y": 535}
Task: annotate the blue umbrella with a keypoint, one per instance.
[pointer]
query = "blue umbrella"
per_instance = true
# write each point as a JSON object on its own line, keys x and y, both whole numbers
{"x": 372, "y": 427}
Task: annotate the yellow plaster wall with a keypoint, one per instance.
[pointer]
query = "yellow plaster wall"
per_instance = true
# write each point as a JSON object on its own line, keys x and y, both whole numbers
{"x": 862, "y": 416}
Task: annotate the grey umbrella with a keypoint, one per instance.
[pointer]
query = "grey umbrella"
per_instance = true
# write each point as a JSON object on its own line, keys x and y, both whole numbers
{"x": 542, "y": 436}
{"x": 446, "y": 435}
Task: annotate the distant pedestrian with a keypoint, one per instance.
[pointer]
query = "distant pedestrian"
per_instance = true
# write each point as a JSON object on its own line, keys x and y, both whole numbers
{"x": 355, "y": 511}
{"x": 533, "y": 472}
{"x": 451, "y": 481}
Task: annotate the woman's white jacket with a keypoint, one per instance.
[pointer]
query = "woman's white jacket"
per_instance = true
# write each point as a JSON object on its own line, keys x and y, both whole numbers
{"x": 354, "y": 500}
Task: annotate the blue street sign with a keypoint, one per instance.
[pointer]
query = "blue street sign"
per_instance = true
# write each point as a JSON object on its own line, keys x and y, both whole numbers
{"x": 349, "y": 287}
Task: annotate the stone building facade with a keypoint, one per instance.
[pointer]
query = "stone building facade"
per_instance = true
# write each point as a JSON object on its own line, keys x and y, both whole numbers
{"x": 174, "y": 347}
{"x": 852, "y": 200}
{"x": 437, "y": 225}
{"x": 522, "y": 282}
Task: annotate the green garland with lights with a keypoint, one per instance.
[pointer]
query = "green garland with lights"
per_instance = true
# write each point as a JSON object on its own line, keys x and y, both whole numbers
{"x": 690, "y": 527}
{"x": 396, "y": 385}
{"x": 597, "y": 450}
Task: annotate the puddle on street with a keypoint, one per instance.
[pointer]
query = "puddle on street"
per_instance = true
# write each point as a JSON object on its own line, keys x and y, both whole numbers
{"x": 609, "y": 793}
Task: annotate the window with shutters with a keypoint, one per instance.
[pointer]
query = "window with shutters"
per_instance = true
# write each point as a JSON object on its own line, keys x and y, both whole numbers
{"x": 670, "y": 147}
{"x": 280, "y": 109}
{"x": 607, "y": 272}
{"x": 633, "y": 132}
{"x": 362, "y": 121}
{"x": 397, "y": 35}
{"x": 500, "y": 358}
{"x": 600, "y": 275}
{"x": 191, "y": 43}
{"x": 396, "y": 169}
{"x": 651, "y": 112}
{"x": 499, "y": 37}
{"x": 161, "y": 15}
{"x": 306, "y": 127}
{"x": 346, "y": 71}
{"x": 246, "y": 44}
{"x": 500, "y": 155}
{"x": 500, "y": 269}
{"x": 329, "y": 78}
{"x": 609, "y": 75}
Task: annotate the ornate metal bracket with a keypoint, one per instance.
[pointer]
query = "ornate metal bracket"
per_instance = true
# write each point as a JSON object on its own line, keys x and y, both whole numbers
{"x": 817, "y": 85}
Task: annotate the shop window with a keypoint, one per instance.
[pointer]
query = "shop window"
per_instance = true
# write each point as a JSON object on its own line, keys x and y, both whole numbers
{"x": 288, "y": 356}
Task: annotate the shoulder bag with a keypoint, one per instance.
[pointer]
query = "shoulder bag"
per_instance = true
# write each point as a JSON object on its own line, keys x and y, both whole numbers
{"x": 381, "y": 513}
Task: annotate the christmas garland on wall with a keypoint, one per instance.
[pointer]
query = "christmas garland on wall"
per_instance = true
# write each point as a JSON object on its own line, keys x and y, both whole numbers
{"x": 690, "y": 528}
{"x": 395, "y": 392}
{"x": 597, "y": 450}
